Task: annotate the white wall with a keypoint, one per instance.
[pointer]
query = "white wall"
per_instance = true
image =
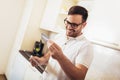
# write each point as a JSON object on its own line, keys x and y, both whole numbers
{"x": 105, "y": 65}
{"x": 103, "y": 23}
{"x": 10, "y": 15}
{"x": 33, "y": 31}
{"x": 26, "y": 35}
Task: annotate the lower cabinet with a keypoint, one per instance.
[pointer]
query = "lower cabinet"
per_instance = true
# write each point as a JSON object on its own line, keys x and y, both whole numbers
{"x": 18, "y": 68}
{"x": 32, "y": 74}
{"x": 22, "y": 70}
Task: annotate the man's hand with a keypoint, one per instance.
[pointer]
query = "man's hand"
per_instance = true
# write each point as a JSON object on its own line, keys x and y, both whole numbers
{"x": 55, "y": 50}
{"x": 35, "y": 60}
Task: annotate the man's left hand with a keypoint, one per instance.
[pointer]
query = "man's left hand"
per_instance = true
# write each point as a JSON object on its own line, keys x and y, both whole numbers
{"x": 55, "y": 50}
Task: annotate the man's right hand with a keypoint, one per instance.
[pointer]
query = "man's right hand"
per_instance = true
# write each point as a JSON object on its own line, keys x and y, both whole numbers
{"x": 34, "y": 60}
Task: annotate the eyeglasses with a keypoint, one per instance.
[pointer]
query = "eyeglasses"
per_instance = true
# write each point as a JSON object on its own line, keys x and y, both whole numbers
{"x": 73, "y": 25}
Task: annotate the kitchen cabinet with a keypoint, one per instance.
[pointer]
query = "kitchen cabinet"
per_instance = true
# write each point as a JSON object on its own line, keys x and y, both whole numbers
{"x": 32, "y": 73}
{"x": 50, "y": 15}
{"x": 53, "y": 18}
{"x": 22, "y": 70}
{"x": 54, "y": 15}
{"x": 18, "y": 68}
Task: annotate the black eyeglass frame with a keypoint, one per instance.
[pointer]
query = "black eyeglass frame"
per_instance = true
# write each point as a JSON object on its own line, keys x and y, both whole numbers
{"x": 73, "y": 25}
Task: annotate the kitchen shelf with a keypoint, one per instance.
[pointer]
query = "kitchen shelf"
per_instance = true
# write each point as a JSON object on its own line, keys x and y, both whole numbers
{"x": 53, "y": 29}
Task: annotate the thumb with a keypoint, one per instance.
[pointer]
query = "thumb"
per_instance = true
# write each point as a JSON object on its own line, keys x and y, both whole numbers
{"x": 49, "y": 43}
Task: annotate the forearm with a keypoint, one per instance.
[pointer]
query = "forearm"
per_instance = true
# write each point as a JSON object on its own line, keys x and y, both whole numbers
{"x": 70, "y": 69}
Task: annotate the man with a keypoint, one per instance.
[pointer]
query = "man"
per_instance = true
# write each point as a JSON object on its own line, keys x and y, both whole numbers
{"x": 70, "y": 55}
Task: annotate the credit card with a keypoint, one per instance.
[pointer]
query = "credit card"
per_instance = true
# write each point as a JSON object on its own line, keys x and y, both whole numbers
{"x": 44, "y": 37}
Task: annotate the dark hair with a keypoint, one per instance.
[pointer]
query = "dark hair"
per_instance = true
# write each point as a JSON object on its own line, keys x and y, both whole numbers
{"x": 79, "y": 10}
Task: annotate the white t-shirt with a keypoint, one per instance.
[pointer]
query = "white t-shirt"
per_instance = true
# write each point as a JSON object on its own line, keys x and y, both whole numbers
{"x": 77, "y": 50}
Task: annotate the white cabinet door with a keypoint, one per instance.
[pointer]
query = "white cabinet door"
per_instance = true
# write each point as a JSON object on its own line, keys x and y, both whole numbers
{"x": 32, "y": 74}
{"x": 50, "y": 15}
{"x": 18, "y": 68}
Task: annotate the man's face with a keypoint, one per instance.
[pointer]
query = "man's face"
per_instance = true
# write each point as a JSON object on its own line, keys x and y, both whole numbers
{"x": 74, "y": 25}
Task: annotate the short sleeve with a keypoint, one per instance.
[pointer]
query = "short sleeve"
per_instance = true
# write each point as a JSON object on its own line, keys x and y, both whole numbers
{"x": 85, "y": 55}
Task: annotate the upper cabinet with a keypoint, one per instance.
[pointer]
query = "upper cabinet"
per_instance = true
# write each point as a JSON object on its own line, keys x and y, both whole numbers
{"x": 50, "y": 15}
{"x": 56, "y": 11}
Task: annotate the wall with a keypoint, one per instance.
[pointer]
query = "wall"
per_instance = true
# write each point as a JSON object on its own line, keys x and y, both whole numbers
{"x": 33, "y": 31}
{"x": 105, "y": 65}
{"x": 10, "y": 15}
{"x": 103, "y": 23}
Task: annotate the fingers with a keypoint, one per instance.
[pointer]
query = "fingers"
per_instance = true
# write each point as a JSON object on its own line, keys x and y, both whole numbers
{"x": 49, "y": 43}
{"x": 55, "y": 50}
{"x": 33, "y": 60}
{"x": 54, "y": 47}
